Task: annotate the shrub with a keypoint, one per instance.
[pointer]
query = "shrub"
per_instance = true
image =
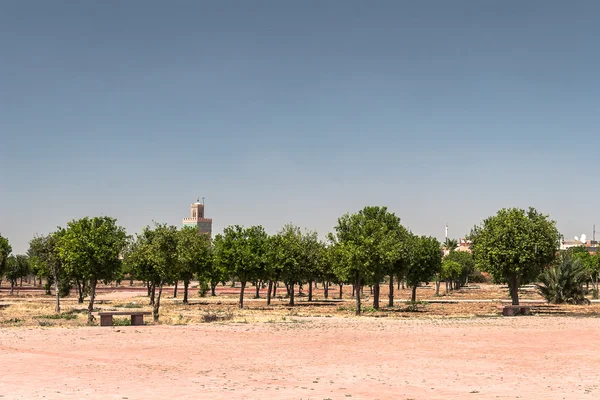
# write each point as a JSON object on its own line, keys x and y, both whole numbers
{"x": 203, "y": 288}
{"x": 478, "y": 277}
{"x": 12, "y": 321}
{"x": 66, "y": 315}
{"x": 121, "y": 322}
{"x": 564, "y": 282}
{"x": 212, "y": 317}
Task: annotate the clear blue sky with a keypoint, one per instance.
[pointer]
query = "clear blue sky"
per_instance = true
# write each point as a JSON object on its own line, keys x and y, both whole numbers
{"x": 297, "y": 111}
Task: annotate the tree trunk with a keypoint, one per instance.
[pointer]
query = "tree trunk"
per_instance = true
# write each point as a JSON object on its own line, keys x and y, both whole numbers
{"x": 152, "y": 293}
{"x": 513, "y": 285}
{"x": 341, "y": 290}
{"x": 399, "y": 280}
{"x": 80, "y": 289}
{"x": 257, "y": 285}
{"x": 93, "y": 283}
{"x": 310, "y": 290}
{"x": 156, "y": 307}
{"x": 186, "y": 285}
{"x": 213, "y": 288}
{"x": 275, "y": 284}
{"x": 391, "y": 294}
{"x": 326, "y": 289}
{"x": 148, "y": 285}
{"x": 241, "y": 302}
{"x": 357, "y": 287}
{"x": 34, "y": 278}
{"x": 269, "y": 292}
{"x": 437, "y": 287}
{"x": 353, "y": 290}
{"x": 57, "y": 293}
{"x": 175, "y": 290}
{"x": 12, "y": 286}
{"x": 375, "y": 291}
{"x": 291, "y": 288}
{"x": 21, "y": 283}
{"x": 414, "y": 293}
{"x": 446, "y": 282}
{"x": 402, "y": 284}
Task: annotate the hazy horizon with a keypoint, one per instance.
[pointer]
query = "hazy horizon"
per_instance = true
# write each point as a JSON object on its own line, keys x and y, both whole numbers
{"x": 297, "y": 112}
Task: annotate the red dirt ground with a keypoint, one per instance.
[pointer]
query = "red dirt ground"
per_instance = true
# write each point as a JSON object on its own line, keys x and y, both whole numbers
{"x": 308, "y": 358}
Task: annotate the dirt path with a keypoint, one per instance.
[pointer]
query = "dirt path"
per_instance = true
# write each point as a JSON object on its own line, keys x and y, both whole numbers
{"x": 309, "y": 358}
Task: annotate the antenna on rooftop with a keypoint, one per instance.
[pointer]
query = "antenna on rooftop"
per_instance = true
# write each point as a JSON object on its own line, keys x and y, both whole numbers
{"x": 203, "y": 201}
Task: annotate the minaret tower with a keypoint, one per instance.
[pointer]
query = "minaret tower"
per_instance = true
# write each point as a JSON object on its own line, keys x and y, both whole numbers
{"x": 197, "y": 219}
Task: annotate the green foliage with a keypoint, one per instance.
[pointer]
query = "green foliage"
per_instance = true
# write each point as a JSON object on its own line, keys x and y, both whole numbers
{"x": 450, "y": 244}
{"x": 295, "y": 256}
{"x": 591, "y": 264}
{"x": 193, "y": 254}
{"x": 121, "y": 321}
{"x": 425, "y": 260}
{"x": 67, "y": 316}
{"x": 451, "y": 270}
{"x": 153, "y": 256}
{"x": 466, "y": 261}
{"x": 90, "y": 248}
{"x": 5, "y": 250}
{"x": 44, "y": 256}
{"x": 12, "y": 321}
{"x": 242, "y": 252}
{"x": 203, "y": 289}
{"x": 366, "y": 246}
{"x": 514, "y": 246}
{"x": 563, "y": 282}
{"x": 477, "y": 277}
{"x": 17, "y": 267}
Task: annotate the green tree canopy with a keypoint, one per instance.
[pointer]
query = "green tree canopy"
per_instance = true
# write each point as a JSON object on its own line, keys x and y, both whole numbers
{"x": 590, "y": 264}
{"x": 467, "y": 264}
{"x": 45, "y": 254}
{"x": 16, "y": 267}
{"x": 514, "y": 246}
{"x": 194, "y": 257}
{"x": 5, "y": 250}
{"x": 366, "y": 245}
{"x": 287, "y": 257}
{"x": 425, "y": 261}
{"x": 242, "y": 252}
{"x": 153, "y": 257}
{"x": 450, "y": 244}
{"x": 90, "y": 248}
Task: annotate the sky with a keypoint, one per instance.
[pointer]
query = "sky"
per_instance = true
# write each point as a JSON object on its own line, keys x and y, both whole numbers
{"x": 298, "y": 111}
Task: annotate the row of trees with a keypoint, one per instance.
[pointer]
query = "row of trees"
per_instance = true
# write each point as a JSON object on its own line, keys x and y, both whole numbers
{"x": 365, "y": 249}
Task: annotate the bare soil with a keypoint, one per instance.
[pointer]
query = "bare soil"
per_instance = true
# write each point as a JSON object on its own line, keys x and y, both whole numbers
{"x": 459, "y": 348}
{"x": 308, "y": 358}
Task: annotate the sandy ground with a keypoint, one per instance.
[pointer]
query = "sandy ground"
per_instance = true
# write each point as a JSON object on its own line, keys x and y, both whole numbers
{"x": 308, "y": 358}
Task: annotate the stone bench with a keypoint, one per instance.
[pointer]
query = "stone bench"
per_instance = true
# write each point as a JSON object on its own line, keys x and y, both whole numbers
{"x": 137, "y": 317}
{"x": 509, "y": 311}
